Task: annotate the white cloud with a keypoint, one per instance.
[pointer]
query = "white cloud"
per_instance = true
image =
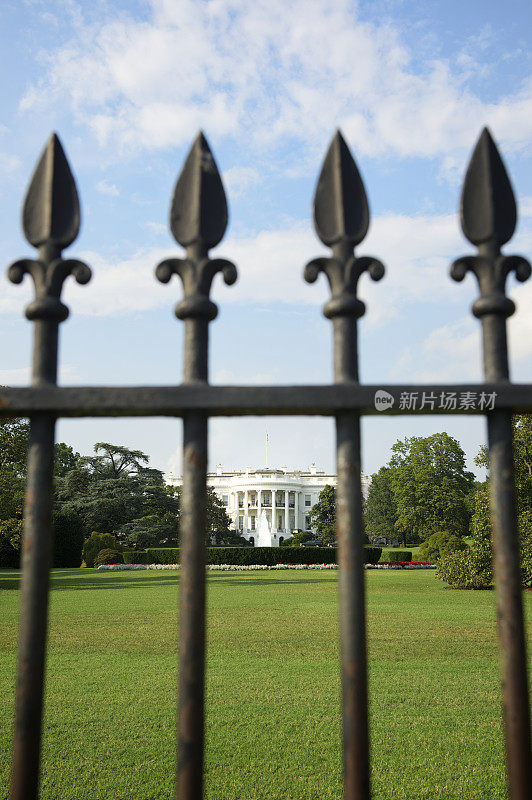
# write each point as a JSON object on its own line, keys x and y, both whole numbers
{"x": 238, "y": 180}
{"x": 266, "y": 72}
{"x": 104, "y": 187}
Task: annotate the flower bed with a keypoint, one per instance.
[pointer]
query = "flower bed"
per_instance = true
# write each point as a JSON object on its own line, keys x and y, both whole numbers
{"x": 402, "y": 565}
{"x": 246, "y": 567}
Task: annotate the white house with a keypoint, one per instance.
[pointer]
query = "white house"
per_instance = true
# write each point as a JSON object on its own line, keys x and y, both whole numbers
{"x": 267, "y": 505}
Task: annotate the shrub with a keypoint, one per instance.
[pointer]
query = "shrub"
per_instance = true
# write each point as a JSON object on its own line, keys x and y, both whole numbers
{"x": 135, "y": 557}
{"x": 249, "y": 555}
{"x": 464, "y": 570}
{"x": 525, "y": 526}
{"x": 68, "y": 538}
{"x": 526, "y": 559}
{"x": 108, "y": 556}
{"x": 392, "y": 556}
{"x": 373, "y": 554}
{"x": 10, "y": 543}
{"x": 440, "y": 544}
{"x": 472, "y": 569}
{"x": 95, "y": 543}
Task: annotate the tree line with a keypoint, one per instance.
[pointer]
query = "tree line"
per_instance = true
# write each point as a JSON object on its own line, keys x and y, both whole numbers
{"x": 424, "y": 488}
{"x": 425, "y": 495}
{"x": 114, "y": 491}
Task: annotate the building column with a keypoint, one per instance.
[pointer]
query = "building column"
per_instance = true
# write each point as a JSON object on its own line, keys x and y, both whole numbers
{"x": 246, "y": 511}
{"x": 296, "y": 510}
{"x": 235, "y": 500}
{"x": 258, "y": 507}
{"x": 286, "y": 512}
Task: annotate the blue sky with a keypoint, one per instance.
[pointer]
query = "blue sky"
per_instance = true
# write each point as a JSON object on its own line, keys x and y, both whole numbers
{"x": 128, "y": 84}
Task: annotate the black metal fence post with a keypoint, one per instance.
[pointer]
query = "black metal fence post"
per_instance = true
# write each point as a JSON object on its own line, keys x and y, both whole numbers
{"x": 51, "y": 222}
{"x": 489, "y": 215}
{"x": 341, "y": 217}
{"x": 198, "y": 220}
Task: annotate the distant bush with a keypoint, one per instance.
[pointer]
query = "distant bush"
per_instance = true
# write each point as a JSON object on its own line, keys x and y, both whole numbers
{"x": 440, "y": 544}
{"x": 526, "y": 557}
{"x": 298, "y": 538}
{"x": 95, "y": 543}
{"x": 10, "y": 543}
{"x": 108, "y": 556}
{"x": 464, "y": 570}
{"x": 135, "y": 557}
{"x": 372, "y": 554}
{"x": 249, "y": 555}
{"x": 392, "y": 556}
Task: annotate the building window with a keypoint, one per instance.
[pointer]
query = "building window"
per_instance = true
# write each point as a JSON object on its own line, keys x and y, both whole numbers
{"x": 307, "y": 500}
{"x": 225, "y": 499}
{"x": 280, "y": 522}
{"x": 252, "y": 523}
{"x": 241, "y": 523}
{"x": 307, "y": 523}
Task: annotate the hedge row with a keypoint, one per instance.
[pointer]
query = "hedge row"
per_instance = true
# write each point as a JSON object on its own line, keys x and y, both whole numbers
{"x": 249, "y": 555}
{"x": 391, "y": 556}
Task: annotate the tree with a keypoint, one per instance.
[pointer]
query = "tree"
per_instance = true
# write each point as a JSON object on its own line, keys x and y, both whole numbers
{"x": 217, "y": 519}
{"x": 13, "y": 450}
{"x": 475, "y": 568}
{"x": 114, "y": 491}
{"x": 323, "y": 515}
{"x": 380, "y": 512}
{"x": 152, "y": 530}
{"x": 10, "y": 541}
{"x": 430, "y": 485}
{"x": 65, "y": 459}
{"x": 68, "y": 538}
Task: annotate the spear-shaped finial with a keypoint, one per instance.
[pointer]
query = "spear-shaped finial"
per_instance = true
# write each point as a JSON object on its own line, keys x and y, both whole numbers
{"x": 198, "y": 215}
{"x": 341, "y": 212}
{"x": 51, "y": 208}
{"x": 198, "y": 220}
{"x": 488, "y": 216}
{"x": 487, "y": 209}
{"x": 51, "y": 220}
{"x": 341, "y": 219}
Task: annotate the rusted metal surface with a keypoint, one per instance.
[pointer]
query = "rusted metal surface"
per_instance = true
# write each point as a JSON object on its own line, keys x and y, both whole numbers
{"x": 341, "y": 219}
{"x": 489, "y": 215}
{"x": 198, "y": 219}
{"x": 190, "y": 737}
{"x": 230, "y": 401}
{"x": 51, "y": 222}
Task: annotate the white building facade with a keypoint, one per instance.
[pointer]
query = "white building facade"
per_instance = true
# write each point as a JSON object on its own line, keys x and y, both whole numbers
{"x": 267, "y": 505}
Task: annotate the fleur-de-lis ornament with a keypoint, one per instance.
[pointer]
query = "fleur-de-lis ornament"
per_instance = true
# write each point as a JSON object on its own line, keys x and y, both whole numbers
{"x": 488, "y": 216}
{"x": 51, "y": 220}
{"x": 198, "y": 220}
{"x": 341, "y": 220}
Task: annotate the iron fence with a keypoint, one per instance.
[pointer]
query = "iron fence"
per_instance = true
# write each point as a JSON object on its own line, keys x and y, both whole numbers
{"x": 198, "y": 220}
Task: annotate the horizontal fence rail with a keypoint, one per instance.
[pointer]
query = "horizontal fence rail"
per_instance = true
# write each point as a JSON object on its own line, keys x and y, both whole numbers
{"x": 239, "y": 401}
{"x": 198, "y": 220}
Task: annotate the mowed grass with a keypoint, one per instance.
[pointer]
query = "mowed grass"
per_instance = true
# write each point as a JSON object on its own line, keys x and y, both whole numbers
{"x": 273, "y": 713}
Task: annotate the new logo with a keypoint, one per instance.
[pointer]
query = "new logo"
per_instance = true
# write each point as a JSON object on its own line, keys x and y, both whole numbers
{"x": 383, "y": 400}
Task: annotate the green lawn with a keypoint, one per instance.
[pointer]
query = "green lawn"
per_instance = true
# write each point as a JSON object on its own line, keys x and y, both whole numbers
{"x": 273, "y": 727}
